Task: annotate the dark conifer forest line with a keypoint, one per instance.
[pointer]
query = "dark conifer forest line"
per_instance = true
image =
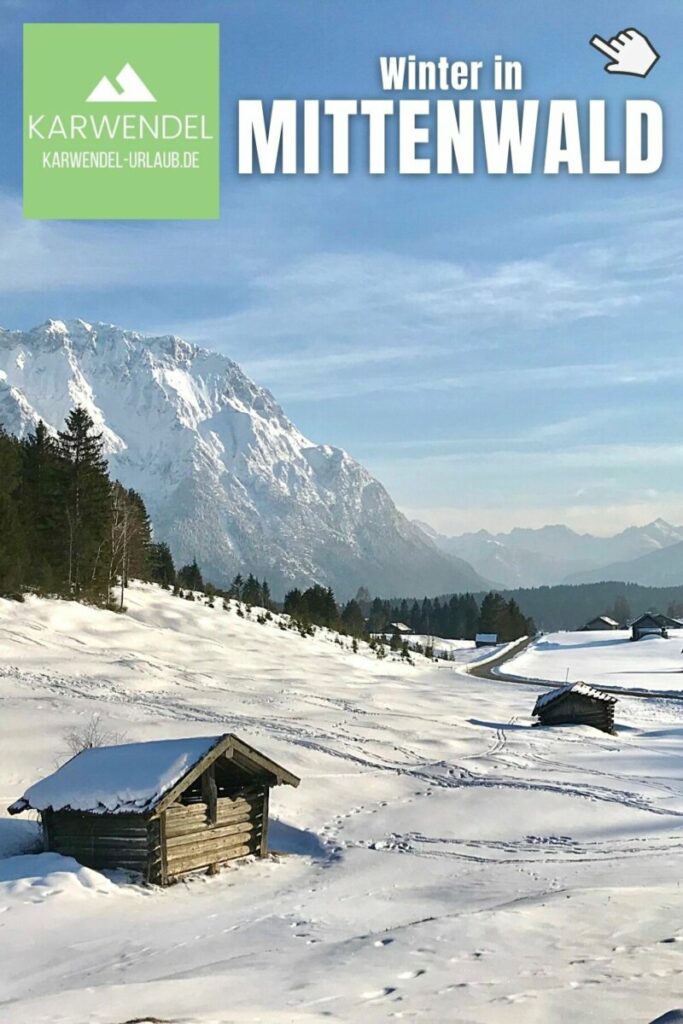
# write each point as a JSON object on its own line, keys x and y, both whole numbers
{"x": 68, "y": 529}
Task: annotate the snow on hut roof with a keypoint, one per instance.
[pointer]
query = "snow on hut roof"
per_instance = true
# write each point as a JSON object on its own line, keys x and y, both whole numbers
{"x": 128, "y": 778}
{"x": 561, "y": 691}
{"x": 604, "y": 618}
{"x": 490, "y": 638}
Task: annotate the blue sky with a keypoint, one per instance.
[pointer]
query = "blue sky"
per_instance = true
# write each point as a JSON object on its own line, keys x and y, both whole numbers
{"x": 498, "y": 351}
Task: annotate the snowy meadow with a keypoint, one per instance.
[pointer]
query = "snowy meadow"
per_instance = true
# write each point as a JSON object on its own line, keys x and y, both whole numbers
{"x": 443, "y": 860}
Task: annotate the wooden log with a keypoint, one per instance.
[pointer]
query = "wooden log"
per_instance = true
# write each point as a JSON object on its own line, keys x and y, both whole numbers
{"x": 210, "y": 793}
{"x": 164, "y": 852}
{"x": 228, "y": 811}
{"x": 201, "y": 807}
{"x": 223, "y": 806}
{"x": 175, "y": 830}
{"x": 187, "y": 810}
{"x": 180, "y": 867}
{"x": 263, "y": 846}
{"x": 208, "y": 840}
{"x": 102, "y": 860}
{"x": 94, "y": 827}
{"x": 74, "y": 837}
{"x": 246, "y": 764}
{"x": 209, "y": 851}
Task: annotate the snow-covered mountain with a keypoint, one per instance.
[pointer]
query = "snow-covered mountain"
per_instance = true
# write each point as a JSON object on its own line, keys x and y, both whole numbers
{"x": 227, "y": 478}
{"x": 557, "y": 554}
{"x": 661, "y": 567}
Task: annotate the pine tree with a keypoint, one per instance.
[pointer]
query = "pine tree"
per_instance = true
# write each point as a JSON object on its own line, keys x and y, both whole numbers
{"x": 161, "y": 567}
{"x": 352, "y": 618}
{"x": 13, "y": 542}
{"x": 293, "y": 603}
{"x": 251, "y": 592}
{"x": 190, "y": 576}
{"x": 378, "y": 618}
{"x": 87, "y": 507}
{"x": 42, "y": 512}
{"x": 493, "y": 615}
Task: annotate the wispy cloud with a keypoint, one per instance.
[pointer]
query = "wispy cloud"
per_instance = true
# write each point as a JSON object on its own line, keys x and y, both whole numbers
{"x": 334, "y": 309}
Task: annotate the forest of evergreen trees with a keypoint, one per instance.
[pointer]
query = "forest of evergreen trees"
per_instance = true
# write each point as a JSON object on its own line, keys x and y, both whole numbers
{"x": 69, "y": 530}
{"x": 460, "y": 617}
{"x": 66, "y": 527}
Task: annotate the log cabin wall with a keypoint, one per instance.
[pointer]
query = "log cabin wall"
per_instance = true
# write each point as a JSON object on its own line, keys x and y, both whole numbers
{"x": 99, "y": 840}
{"x": 579, "y": 710}
{"x": 221, "y": 817}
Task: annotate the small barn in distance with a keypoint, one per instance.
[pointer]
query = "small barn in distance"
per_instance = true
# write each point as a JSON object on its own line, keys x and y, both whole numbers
{"x": 486, "y": 640}
{"x": 576, "y": 704}
{"x": 650, "y": 624}
{"x": 399, "y": 627}
{"x": 600, "y": 622}
{"x": 163, "y": 808}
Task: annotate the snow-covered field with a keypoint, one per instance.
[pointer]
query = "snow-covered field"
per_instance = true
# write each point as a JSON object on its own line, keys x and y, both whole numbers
{"x": 460, "y": 651}
{"x": 605, "y": 659}
{"x": 443, "y": 861}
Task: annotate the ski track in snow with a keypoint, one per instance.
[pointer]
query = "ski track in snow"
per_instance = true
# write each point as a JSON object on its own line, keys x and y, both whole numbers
{"x": 442, "y": 860}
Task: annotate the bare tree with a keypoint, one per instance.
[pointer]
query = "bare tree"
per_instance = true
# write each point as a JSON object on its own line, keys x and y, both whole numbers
{"x": 130, "y": 537}
{"x": 89, "y": 735}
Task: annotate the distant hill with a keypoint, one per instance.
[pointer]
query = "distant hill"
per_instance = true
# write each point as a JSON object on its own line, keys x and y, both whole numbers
{"x": 570, "y": 607}
{"x": 661, "y": 568}
{"x": 557, "y": 554}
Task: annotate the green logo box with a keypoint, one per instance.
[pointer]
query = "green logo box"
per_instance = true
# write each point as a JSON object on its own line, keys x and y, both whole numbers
{"x": 121, "y": 121}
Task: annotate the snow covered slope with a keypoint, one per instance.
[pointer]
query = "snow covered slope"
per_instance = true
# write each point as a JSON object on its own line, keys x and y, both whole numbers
{"x": 612, "y": 659}
{"x": 443, "y": 860}
{"x": 226, "y": 476}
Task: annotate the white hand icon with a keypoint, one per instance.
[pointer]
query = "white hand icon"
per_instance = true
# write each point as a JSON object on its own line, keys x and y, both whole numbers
{"x": 630, "y": 53}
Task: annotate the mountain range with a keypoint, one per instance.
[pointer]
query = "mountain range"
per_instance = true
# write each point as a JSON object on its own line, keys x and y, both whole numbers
{"x": 651, "y": 555}
{"x": 226, "y": 476}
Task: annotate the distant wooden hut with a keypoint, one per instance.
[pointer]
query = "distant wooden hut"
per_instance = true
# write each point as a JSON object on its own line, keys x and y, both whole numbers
{"x": 163, "y": 808}
{"x": 650, "y": 624}
{"x": 399, "y": 627}
{"x": 576, "y": 704}
{"x": 486, "y": 640}
{"x": 600, "y": 622}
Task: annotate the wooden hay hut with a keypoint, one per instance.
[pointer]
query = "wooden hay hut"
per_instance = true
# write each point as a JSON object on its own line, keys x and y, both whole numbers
{"x": 600, "y": 623}
{"x": 486, "y": 640}
{"x": 163, "y": 808}
{"x": 576, "y": 704}
{"x": 399, "y": 627}
{"x": 650, "y": 624}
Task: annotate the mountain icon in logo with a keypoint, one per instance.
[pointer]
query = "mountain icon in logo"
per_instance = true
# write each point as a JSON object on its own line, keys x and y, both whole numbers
{"x": 132, "y": 89}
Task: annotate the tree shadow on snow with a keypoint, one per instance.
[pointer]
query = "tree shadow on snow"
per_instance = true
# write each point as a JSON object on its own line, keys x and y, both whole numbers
{"x": 284, "y": 838}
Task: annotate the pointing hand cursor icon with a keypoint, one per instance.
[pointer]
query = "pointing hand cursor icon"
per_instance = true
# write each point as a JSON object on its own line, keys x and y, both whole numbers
{"x": 630, "y": 53}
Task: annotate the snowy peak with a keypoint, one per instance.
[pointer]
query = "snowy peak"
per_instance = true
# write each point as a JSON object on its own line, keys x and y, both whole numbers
{"x": 556, "y": 554}
{"x": 227, "y": 477}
